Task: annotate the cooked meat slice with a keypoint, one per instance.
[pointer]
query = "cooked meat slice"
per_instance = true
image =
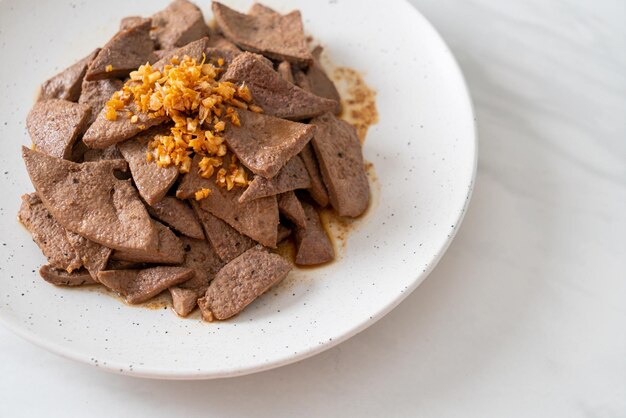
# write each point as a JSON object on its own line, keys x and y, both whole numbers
{"x": 219, "y": 42}
{"x": 152, "y": 181}
{"x": 88, "y": 199}
{"x": 200, "y": 257}
{"x": 96, "y": 94}
{"x": 184, "y": 301}
{"x": 291, "y": 177}
{"x": 109, "y": 153}
{"x": 78, "y": 151}
{"x": 280, "y": 37}
{"x": 103, "y": 132}
{"x": 48, "y": 234}
{"x": 138, "y": 286}
{"x": 241, "y": 281}
{"x": 169, "y": 250}
{"x": 258, "y": 9}
{"x": 178, "y": 24}
{"x": 130, "y": 22}
{"x": 283, "y": 232}
{"x": 193, "y": 50}
{"x": 228, "y": 55}
{"x": 312, "y": 243}
{"x": 291, "y": 208}
{"x": 317, "y": 82}
{"x": 63, "y": 278}
{"x": 54, "y": 126}
{"x": 178, "y": 215}
{"x": 125, "y": 52}
{"x": 264, "y": 143}
{"x": 124, "y": 265}
{"x": 339, "y": 153}
{"x": 257, "y": 219}
{"x": 224, "y": 239}
{"x": 277, "y": 96}
{"x": 67, "y": 84}
{"x": 284, "y": 69}
{"x": 92, "y": 255}
{"x": 317, "y": 190}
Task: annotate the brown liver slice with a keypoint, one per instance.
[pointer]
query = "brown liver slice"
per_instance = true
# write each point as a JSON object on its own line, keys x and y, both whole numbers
{"x": 125, "y": 52}
{"x": 291, "y": 208}
{"x": 109, "y": 153}
{"x": 59, "y": 277}
{"x": 225, "y": 240}
{"x": 67, "y": 84}
{"x": 193, "y": 50}
{"x": 279, "y": 37}
{"x": 264, "y": 144}
{"x": 92, "y": 255}
{"x": 312, "y": 244}
{"x": 257, "y": 219}
{"x": 103, "y": 132}
{"x": 178, "y": 215}
{"x": 178, "y": 24}
{"x": 315, "y": 80}
{"x": 169, "y": 250}
{"x": 241, "y": 281}
{"x": 199, "y": 256}
{"x": 340, "y": 156}
{"x": 152, "y": 181}
{"x": 96, "y": 94}
{"x": 138, "y": 286}
{"x": 88, "y": 199}
{"x": 54, "y": 126}
{"x": 317, "y": 190}
{"x": 291, "y": 177}
{"x": 277, "y": 96}
{"x": 48, "y": 234}
{"x": 283, "y": 232}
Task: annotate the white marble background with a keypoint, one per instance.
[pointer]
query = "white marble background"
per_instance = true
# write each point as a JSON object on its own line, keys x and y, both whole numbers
{"x": 525, "y": 315}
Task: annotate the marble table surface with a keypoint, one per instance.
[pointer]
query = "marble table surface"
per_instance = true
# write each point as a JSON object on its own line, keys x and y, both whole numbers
{"x": 526, "y": 313}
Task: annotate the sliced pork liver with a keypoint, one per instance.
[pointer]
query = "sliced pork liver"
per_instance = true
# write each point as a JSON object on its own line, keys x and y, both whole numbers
{"x": 225, "y": 240}
{"x": 104, "y": 133}
{"x": 291, "y": 208}
{"x": 48, "y": 234}
{"x": 54, "y": 126}
{"x": 241, "y": 281}
{"x": 257, "y": 219}
{"x": 277, "y": 96}
{"x": 291, "y": 177}
{"x": 280, "y": 37}
{"x": 109, "y": 153}
{"x": 96, "y": 94}
{"x": 88, "y": 199}
{"x": 219, "y": 42}
{"x": 138, "y": 286}
{"x": 258, "y": 9}
{"x": 67, "y": 84}
{"x": 92, "y": 255}
{"x": 283, "y": 232}
{"x": 63, "y": 278}
{"x": 152, "y": 181}
{"x": 178, "y": 24}
{"x": 315, "y": 80}
{"x": 339, "y": 153}
{"x": 178, "y": 215}
{"x": 169, "y": 250}
{"x": 125, "y": 52}
{"x": 193, "y": 50}
{"x": 200, "y": 257}
{"x": 264, "y": 143}
{"x": 317, "y": 190}
{"x": 312, "y": 244}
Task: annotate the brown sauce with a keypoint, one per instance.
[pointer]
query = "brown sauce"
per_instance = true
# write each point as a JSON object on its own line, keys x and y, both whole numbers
{"x": 358, "y": 100}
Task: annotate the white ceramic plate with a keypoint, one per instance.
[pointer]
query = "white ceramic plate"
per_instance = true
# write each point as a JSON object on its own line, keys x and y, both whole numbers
{"x": 423, "y": 150}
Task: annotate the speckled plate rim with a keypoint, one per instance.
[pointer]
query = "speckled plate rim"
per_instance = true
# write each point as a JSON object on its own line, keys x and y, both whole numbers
{"x": 147, "y": 372}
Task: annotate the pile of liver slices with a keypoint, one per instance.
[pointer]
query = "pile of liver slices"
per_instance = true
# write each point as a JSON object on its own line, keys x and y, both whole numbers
{"x": 102, "y": 214}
